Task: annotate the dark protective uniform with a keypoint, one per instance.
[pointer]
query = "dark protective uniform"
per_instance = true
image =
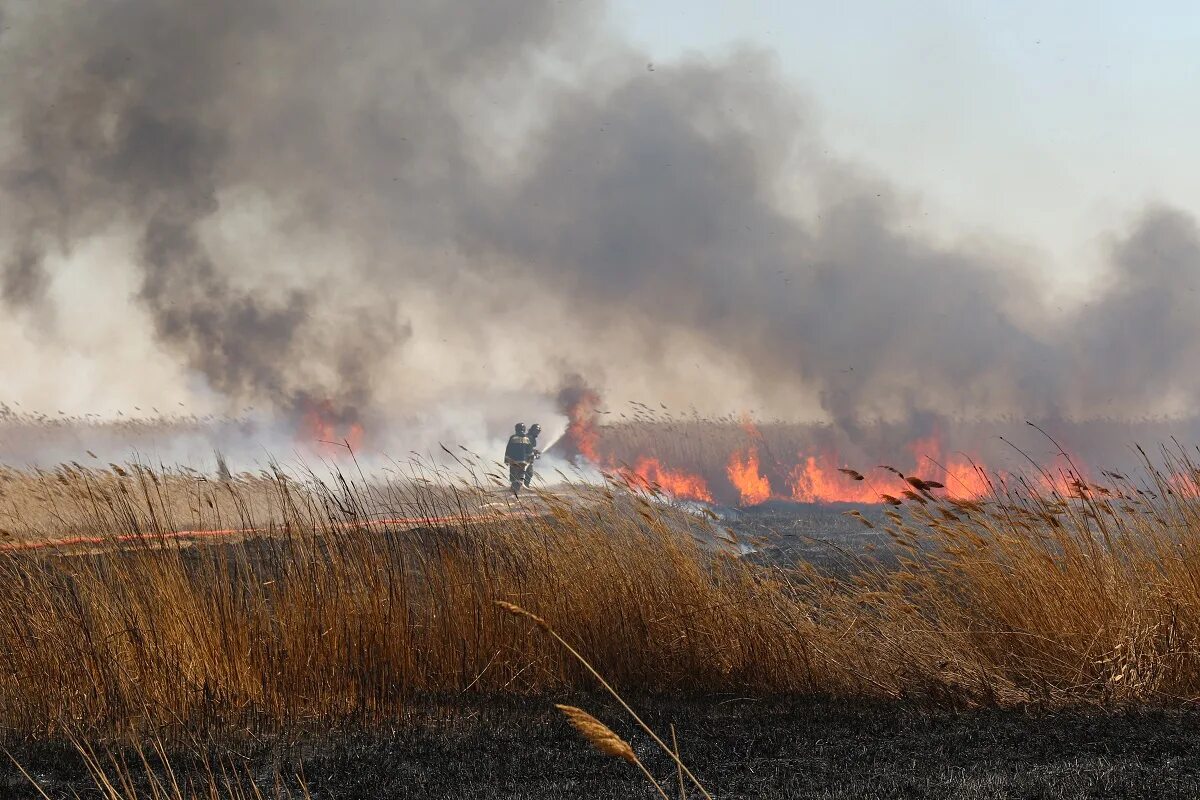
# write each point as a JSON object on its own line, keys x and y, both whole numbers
{"x": 533, "y": 453}
{"x": 519, "y": 446}
{"x": 519, "y": 457}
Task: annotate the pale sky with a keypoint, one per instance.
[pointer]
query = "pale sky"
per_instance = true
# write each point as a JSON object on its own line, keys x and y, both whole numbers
{"x": 1050, "y": 124}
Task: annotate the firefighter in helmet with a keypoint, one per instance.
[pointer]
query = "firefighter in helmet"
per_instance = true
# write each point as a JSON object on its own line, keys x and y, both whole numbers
{"x": 518, "y": 455}
{"x": 534, "y": 430}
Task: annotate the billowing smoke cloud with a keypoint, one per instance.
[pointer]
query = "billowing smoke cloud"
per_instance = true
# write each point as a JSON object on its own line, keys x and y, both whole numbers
{"x": 1139, "y": 344}
{"x": 668, "y": 214}
{"x": 396, "y": 205}
{"x": 23, "y": 280}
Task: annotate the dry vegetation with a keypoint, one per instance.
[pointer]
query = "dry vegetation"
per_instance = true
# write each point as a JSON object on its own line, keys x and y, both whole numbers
{"x": 1024, "y": 598}
{"x": 72, "y": 500}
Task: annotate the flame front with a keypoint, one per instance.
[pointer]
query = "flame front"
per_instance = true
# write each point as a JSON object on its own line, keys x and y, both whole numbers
{"x": 744, "y": 474}
{"x": 676, "y": 483}
{"x": 817, "y": 480}
{"x": 965, "y": 480}
{"x": 714, "y": 461}
{"x": 962, "y": 478}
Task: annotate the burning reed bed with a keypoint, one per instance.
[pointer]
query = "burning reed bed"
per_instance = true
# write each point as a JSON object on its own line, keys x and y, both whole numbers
{"x": 327, "y": 617}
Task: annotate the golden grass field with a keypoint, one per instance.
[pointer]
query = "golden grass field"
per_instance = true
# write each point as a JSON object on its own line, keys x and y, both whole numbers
{"x": 320, "y": 619}
{"x": 1021, "y": 598}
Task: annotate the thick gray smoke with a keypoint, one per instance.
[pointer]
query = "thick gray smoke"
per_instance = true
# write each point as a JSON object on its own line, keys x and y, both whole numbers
{"x": 396, "y": 205}
{"x": 23, "y": 280}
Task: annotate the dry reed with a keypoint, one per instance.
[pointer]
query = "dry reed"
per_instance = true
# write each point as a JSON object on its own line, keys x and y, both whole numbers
{"x": 1089, "y": 593}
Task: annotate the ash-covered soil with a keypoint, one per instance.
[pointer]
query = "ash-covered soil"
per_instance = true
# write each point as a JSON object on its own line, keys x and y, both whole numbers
{"x": 741, "y": 748}
{"x": 781, "y": 532}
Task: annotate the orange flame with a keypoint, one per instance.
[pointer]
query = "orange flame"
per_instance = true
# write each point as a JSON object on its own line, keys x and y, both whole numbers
{"x": 1066, "y": 475}
{"x": 926, "y": 454}
{"x": 581, "y": 426}
{"x": 818, "y": 481}
{"x": 651, "y": 473}
{"x": 320, "y": 430}
{"x": 647, "y": 472}
{"x": 744, "y": 474}
{"x": 1184, "y": 484}
{"x": 814, "y": 478}
{"x": 965, "y": 479}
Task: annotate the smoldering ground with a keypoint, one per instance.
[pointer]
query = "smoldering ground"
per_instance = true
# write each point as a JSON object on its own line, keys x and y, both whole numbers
{"x": 403, "y": 206}
{"x": 777, "y": 748}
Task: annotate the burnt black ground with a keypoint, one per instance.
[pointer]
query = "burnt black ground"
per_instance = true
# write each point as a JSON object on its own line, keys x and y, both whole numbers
{"x": 780, "y": 748}
{"x": 822, "y": 535}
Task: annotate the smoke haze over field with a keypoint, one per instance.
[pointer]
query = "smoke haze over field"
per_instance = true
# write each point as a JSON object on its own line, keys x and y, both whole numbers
{"x": 431, "y": 215}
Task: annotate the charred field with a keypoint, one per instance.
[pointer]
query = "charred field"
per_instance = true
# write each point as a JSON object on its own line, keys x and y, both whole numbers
{"x": 793, "y": 747}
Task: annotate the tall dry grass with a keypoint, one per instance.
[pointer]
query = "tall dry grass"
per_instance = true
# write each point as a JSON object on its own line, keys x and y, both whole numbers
{"x": 1086, "y": 594}
{"x": 73, "y": 500}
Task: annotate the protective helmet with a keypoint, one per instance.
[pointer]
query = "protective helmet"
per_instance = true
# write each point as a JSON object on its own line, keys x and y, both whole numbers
{"x": 520, "y": 428}
{"x": 535, "y": 429}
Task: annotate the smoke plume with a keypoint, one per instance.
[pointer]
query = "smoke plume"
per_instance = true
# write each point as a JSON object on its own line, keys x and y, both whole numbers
{"x": 396, "y": 206}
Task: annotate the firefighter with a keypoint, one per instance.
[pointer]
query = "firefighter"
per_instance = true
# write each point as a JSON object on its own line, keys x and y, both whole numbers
{"x": 534, "y": 430}
{"x": 518, "y": 455}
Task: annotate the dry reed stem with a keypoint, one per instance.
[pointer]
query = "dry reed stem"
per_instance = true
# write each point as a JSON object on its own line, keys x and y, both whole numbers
{"x": 514, "y": 609}
{"x": 603, "y": 739}
{"x": 599, "y": 734}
